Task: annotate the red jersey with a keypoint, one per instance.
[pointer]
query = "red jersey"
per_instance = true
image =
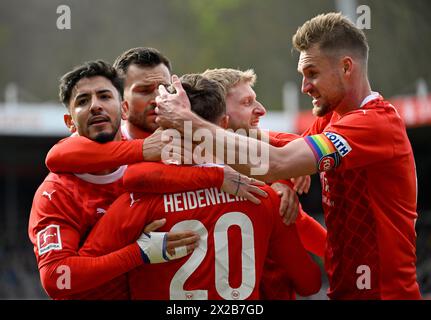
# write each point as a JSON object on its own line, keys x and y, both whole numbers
{"x": 236, "y": 236}
{"x": 369, "y": 201}
{"x": 155, "y": 177}
{"x": 64, "y": 210}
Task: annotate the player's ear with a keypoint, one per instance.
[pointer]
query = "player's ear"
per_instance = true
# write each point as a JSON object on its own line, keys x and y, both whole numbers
{"x": 347, "y": 65}
{"x": 124, "y": 110}
{"x": 224, "y": 121}
{"x": 69, "y": 122}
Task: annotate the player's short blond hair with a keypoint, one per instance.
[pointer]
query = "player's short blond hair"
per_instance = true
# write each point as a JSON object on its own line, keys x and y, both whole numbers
{"x": 228, "y": 78}
{"x": 331, "y": 32}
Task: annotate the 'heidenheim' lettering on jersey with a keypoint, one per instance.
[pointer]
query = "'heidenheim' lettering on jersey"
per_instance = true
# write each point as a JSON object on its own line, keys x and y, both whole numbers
{"x": 190, "y": 200}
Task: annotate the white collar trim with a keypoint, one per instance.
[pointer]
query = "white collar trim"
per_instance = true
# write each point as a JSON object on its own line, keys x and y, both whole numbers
{"x": 103, "y": 179}
{"x": 125, "y": 132}
{"x": 372, "y": 96}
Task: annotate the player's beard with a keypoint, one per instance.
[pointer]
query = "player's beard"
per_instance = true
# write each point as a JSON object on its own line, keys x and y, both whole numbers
{"x": 323, "y": 109}
{"x": 103, "y": 137}
{"x": 328, "y": 105}
{"x": 140, "y": 121}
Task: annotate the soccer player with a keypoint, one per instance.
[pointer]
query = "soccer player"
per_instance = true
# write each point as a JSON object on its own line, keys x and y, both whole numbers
{"x": 244, "y": 112}
{"x": 359, "y": 146}
{"x": 143, "y": 70}
{"x": 67, "y": 206}
{"x": 236, "y": 235}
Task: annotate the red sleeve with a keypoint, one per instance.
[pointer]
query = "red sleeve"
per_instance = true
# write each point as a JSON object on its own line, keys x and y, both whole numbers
{"x": 55, "y": 229}
{"x": 311, "y": 233}
{"x": 157, "y": 177}
{"x": 121, "y": 225}
{"x": 88, "y": 272}
{"x": 288, "y": 252}
{"x": 81, "y": 155}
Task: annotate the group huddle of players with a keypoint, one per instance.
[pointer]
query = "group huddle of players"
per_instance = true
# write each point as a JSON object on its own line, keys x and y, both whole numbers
{"x": 110, "y": 221}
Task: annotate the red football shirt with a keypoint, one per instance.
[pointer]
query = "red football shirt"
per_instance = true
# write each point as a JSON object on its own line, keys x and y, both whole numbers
{"x": 64, "y": 158}
{"x": 236, "y": 237}
{"x": 153, "y": 178}
{"x": 369, "y": 200}
{"x": 64, "y": 210}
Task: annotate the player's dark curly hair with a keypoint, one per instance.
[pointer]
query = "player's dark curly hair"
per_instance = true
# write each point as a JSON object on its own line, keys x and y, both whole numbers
{"x": 144, "y": 57}
{"x": 206, "y": 96}
{"x": 88, "y": 70}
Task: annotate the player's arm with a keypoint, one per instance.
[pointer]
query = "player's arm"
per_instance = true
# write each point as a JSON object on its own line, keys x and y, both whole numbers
{"x": 160, "y": 178}
{"x": 280, "y": 139}
{"x": 287, "y": 251}
{"x": 124, "y": 223}
{"x": 294, "y": 160}
{"x": 80, "y": 155}
{"x": 157, "y": 177}
{"x": 311, "y": 233}
{"x": 54, "y": 230}
{"x": 85, "y": 273}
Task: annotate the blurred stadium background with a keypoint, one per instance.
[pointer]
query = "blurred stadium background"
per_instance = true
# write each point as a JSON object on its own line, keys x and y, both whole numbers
{"x": 195, "y": 35}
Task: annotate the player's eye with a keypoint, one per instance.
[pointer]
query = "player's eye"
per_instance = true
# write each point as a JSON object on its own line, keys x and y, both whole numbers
{"x": 312, "y": 74}
{"x": 105, "y": 96}
{"x": 248, "y": 102}
{"x": 82, "y": 102}
{"x": 146, "y": 90}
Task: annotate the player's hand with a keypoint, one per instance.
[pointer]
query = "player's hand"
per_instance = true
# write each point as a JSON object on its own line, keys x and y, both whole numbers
{"x": 158, "y": 247}
{"x": 301, "y": 184}
{"x": 240, "y": 185}
{"x": 173, "y": 108}
{"x": 153, "y": 145}
{"x": 289, "y": 204}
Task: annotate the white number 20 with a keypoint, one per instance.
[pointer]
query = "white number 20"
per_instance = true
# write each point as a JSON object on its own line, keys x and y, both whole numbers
{"x": 223, "y": 288}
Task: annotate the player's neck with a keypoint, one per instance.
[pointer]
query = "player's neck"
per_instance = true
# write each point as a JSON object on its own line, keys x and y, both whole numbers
{"x": 135, "y": 132}
{"x": 354, "y": 97}
{"x": 105, "y": 172}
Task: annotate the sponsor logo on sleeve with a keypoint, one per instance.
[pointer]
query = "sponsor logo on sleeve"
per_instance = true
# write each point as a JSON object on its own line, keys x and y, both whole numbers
{"x": 328, "y": 162}
{"x": 339, "y": 143}
{"x": 49, "y": 239}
